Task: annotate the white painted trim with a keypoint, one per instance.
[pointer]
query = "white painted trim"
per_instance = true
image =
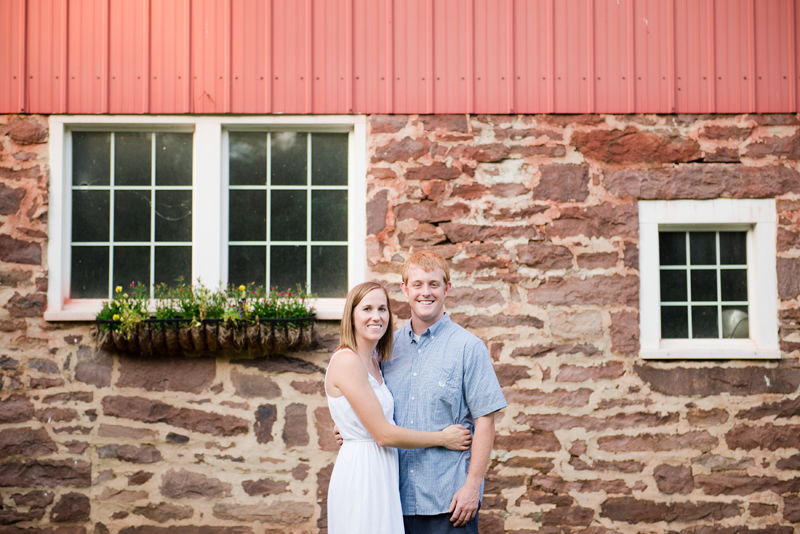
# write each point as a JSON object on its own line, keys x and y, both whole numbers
{"x": 209, "y": 230}
{"x": 760, "y": 217}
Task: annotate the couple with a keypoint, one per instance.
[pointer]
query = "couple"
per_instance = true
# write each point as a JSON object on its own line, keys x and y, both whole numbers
{"x": 437, "y": 383}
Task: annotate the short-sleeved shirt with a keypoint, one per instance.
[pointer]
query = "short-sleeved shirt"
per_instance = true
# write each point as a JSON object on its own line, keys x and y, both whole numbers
{"x": 443, "y": 377}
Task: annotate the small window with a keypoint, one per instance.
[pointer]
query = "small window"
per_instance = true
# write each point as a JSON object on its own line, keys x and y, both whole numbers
{"x": 708, "y": 279}
{"x": 703, "y": 282}
{"x": 288, "y": 214}
{"x": 131, "y": 210}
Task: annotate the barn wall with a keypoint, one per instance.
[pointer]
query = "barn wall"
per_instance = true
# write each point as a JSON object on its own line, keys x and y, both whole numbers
{"x": 537, "y": 215}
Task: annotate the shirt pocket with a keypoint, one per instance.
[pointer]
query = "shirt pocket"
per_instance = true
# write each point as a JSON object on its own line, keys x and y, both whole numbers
{"x": 446, "y": 396}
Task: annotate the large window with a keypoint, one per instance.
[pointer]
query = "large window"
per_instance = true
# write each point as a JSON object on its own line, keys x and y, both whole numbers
{"x": 708, "y": 279}
{"x": 275, "y": 201}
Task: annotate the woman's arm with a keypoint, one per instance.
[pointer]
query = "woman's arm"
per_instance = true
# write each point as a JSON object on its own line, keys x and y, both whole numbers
{"x": 347, "y": 373}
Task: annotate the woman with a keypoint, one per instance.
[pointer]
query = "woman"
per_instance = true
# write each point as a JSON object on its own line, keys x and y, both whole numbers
{"x": 363, "y": 496}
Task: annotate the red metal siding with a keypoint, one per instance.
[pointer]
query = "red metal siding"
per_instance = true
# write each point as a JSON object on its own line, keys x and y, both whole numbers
{"x": 399, "y": 56}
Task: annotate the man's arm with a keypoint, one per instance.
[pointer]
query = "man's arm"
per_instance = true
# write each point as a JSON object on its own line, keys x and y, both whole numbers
{"x": 465, "y": 503}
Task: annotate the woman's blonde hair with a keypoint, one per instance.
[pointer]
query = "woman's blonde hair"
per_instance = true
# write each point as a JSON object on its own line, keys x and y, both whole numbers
{"x": 347, "y": 330}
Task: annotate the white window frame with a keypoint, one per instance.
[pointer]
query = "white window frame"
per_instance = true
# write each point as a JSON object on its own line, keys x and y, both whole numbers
{"x": 759, "y": 218}
{"x": 209, "y": 196}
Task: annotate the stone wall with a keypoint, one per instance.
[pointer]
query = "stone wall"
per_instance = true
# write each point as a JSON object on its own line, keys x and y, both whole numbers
{"x": 538, "y": 217}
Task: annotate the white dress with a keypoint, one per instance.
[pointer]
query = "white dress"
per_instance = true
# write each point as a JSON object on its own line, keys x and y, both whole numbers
{"x": 364, "y": 493}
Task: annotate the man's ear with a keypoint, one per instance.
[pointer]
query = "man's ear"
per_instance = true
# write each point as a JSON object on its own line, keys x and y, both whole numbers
{"x": 404, "y": 288}
{"x": 447, "y": 288}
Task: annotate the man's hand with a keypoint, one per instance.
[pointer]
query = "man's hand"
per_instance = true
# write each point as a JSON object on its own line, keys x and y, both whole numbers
{"x": 464, "y": 505}
{"x": 337, "y": 436}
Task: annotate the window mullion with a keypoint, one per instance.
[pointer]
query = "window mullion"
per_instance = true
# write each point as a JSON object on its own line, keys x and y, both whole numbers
{"x": 152, "y": 213}
{"x": 268, "y": 220}
{"x": 689, "y": 285}
{"x": 719, "y": 285}
{"x": 308, "y": 212}
{"x": 111, "y": 204}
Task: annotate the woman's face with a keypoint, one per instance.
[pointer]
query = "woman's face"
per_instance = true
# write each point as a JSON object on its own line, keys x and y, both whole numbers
{"x": 371, "y": 317}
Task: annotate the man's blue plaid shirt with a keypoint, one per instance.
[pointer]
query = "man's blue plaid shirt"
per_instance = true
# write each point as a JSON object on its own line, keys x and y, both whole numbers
{"x": 444, "y": 378}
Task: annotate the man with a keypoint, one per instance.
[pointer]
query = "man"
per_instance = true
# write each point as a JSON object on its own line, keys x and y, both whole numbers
{"x": 440, "y": 374}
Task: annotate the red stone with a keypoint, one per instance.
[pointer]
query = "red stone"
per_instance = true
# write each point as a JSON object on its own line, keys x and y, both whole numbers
{"x": 57, "y": 415}
{"x": 595, "y": 424}
{"x": 324, "y": 425}
{"x": 786, "y": 408}
{"x": 34, "y": 499}
{"x": 534, "y": 441}
{"x": 782, "y": 147}
{"x": 94, "y": 368}
{"x": 429, "y": 211}
{"x": 26, "y": 442}
{"x": 724, "y": 133}
{"x": 280, "y": 363}
{"x": 753, "y": 380}
{"x": 768, "y": 436}
{"x": 425, "y": 235}
{"x": 15, "y": 409}
{"x": 71, "y": 508}
{"x": 635, "y": 146}
{"x": 723, "y": 155}
{"x": 27, "y": 305}
{"x": 548, "y": 151}
{"x": 742, "y": 484}
{"x": 266, "y": 416}
{"x": 470, "y": 191}
{"x": 434, "y": 171}
{"x": 264, "y": 486}
{"x": 254, "y": 386}
{"x": 295, "y": 428}
{"x": 508, "y": 375}
{"x": 634, "y": 511}
{"x": 309, "y": 387}
{"x": 451, "y": 123}
{"x": 625, "y": 332}
{"x": 598, "y": 290}
{"x": 598, "y": 260}
{"x": 45, "y": 473}
{"x": 789, "y": 464}
{"x": 758, "y": 509}
{"x": 152, "y": 411}
{"x": 16, "y": 251}
{"x": 485, "y": 321}
{"x": 544, "y": 256}
{"x": 672, "y": 479}
{"x": 191, "y": 375}
{"x": 144, "y": 454}
{"x": 376, "y": 212}
{"x": 379, "y": 124}
{"x": 10, "y": 199}
{"x": 27, "y": 131}
{"x": 788, "y": 278}
{"x": 567, "y": 120}
{"x": 560, "y": 398}
{"x": 186, "y": 529}
{"x": 571, "y": 516}
{"x": 185, "y": 484}
{"x": 404, "y": 150}
{"x": 701, "y": 440}
{"x": 480, "y": 298}
{"x": 163, "y": 512}
{"x": 605, "y": 220}
{"x": 791, "y": 509}
{"x": 563, "y": 183}
{"x": 138, "y": 478}
{"x": 716, "y": 416}
{"x": 703, "y": 181}
{"x": 460, "y": 233}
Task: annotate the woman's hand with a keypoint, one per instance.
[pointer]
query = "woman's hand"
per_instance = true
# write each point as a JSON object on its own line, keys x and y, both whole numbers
{"x": 456, "y": 438}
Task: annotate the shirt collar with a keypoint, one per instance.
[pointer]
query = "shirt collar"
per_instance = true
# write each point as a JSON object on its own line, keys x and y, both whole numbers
{"x": 434, "y": 330}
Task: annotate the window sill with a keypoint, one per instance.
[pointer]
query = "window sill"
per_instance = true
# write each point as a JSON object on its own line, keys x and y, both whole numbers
{"x": 721, "y": 349}
{"x": 86, "y": 310}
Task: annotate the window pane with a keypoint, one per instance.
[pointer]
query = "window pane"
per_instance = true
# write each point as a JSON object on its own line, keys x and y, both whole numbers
{"x": 735, "y": 323}
{"x": 288, "y": 219}
{"x": 329, "y": 215}
{"x": 89, "y": 277}
{"x": 672, "y": 248}
{"x": 329, "y": 271}
{"x": 247, "y": 265}
{"x": 173, "y": 215}
{"x": 287, "y": 267}
{"x": 674, "y": 322}
{"x": 131, "y": 215}
{"x": 90, "y": 216}
{"x": 91, "y": 158}
{"x": 704, "y": 285}
{"x": 673, "y": 286}
{"x": 132, "y": 159}
{"x": 172, "y": 262}
{"x": 289, "y": 158}
{"x": 704, "y": 322}
{"x": 131, "y": 264}
{"x": 247, "y": 216}
{"x": 703, "y": 248}
{"x": 733, "y": 248}
{"x": 248, "y": 158}
{"x": 329, "y": 159}
{"x": 174, "y": 159}
{"x": 734, "y": 284}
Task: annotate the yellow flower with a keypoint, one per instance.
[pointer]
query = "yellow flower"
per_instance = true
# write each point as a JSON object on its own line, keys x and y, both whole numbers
{"x": 115, "y": 317}
{"x": 144, "y": 310}
{"x": 125, "y": 295}
{"x": 118, "y": 289}
{"x": 241, "y": 288}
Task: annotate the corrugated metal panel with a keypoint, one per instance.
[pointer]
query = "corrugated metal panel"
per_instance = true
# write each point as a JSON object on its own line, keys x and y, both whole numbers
{"x": 251, "y": 30}
{"x": 129, "y": 57}
{"x": 87, "y": 56}
{"x": 46, "y": 57}
{"x": 400, "y": 56}
{"x": 12, "y": 61}
{"x": 169, "y": 56}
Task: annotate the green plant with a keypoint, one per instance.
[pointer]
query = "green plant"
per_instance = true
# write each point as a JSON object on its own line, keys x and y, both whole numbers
{"x": 129, "y": 308}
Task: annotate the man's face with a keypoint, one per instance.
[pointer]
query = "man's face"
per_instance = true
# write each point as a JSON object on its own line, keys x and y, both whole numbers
{"x": 426, "y": 292}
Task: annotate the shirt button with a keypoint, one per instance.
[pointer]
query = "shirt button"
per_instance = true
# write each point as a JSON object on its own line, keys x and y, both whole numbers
{"x": 415, "y": 374}
{"x": 412, "y": 398}
{"x": 419, "y": 350}
{"x": 412, "y": 422}
{"x": 412, "y": 471}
